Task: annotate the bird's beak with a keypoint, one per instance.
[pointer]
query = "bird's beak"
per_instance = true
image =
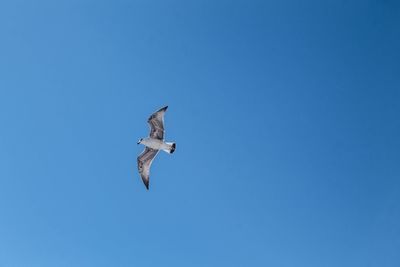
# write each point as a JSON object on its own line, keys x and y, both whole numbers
{"x": 138, "y": 142}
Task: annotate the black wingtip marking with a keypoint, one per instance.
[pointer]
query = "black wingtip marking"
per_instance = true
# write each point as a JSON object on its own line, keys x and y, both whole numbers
{"x": 173, "y": 147}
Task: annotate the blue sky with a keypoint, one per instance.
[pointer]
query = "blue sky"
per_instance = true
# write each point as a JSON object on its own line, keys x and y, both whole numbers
{"x": 285, "y": 115}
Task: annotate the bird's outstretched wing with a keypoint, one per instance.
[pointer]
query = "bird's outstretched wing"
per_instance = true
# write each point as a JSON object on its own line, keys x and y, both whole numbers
{"x": 144, "y": 162}
{"x": 156, "y": 122}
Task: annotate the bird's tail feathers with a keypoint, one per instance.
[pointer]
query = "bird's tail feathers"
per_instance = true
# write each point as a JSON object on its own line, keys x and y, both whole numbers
{"x": 171, "y": 147}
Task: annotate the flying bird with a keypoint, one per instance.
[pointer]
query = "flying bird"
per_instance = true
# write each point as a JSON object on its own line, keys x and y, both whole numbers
{"x": 153, "y": 144}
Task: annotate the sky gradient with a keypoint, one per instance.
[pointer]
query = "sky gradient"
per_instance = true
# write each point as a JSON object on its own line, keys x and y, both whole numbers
{"x": 285, "y": 115}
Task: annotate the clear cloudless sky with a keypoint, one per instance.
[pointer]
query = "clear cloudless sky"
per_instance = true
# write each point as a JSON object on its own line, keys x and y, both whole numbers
{"x": 285, "y": 113}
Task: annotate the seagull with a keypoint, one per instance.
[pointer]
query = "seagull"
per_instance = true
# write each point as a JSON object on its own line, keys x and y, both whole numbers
{"x": 153, "y": 144}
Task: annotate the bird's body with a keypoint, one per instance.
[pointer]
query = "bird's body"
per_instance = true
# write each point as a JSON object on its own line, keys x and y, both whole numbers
{"x": 157, "y": 144}
{"x": 154, "y": 143}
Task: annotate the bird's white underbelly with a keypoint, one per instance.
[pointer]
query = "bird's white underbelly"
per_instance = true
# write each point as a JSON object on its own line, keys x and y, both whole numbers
{"x": 155, "y": 144}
